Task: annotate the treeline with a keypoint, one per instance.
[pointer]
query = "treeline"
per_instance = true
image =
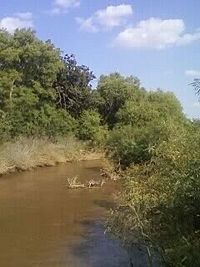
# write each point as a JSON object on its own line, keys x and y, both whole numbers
{"x": 145, "y": 133}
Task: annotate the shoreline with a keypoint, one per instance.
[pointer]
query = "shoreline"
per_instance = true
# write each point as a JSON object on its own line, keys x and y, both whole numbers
{"x": 86, "y": 157}
{"x": 27, "y": 154}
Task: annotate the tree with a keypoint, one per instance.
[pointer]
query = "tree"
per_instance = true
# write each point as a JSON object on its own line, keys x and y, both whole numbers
{"x": 28, "y": 69}
{"x": 151, "y": 107}
{"x": 29, "y": 62}
{"x": 90, "y": 128}
{"x": 114, "y": 90}
{"x": 142, "y": 123}
{"x": 73, "y": 88}
{"x": 159, "y": 206}
{"x": 127, "y": 145}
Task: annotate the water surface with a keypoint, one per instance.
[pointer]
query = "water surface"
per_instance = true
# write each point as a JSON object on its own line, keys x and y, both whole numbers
{"x": 42, "y": 223}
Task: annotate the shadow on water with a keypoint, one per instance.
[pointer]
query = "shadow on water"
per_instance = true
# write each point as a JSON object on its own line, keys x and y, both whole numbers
{"x": 106, "y": 204}
{"x": 97, "y": 250}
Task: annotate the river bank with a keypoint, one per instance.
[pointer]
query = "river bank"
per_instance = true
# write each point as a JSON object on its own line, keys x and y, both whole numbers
{"x": 28, "y": 153}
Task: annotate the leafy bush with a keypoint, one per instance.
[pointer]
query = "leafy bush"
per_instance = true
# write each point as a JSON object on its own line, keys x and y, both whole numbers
{"x": 160, "y": 204}
{"x": 46, "y": 121}
{"x": 132, "y": 144}
{"x": 90, "y": 128}
{"x": 54, "y": 121}
{"x": 113, "y": 91}
{"x": 125, "y": 146}
{"x": 150, "y": 107}
{"x": 4, "y": 127}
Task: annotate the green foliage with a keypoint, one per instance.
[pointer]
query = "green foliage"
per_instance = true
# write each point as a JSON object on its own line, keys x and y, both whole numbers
{"x": 46, "y": 121}
{"x": 28, "y": 69}
{"x": 127, "y": 145}
{"x": 160, "y": 204}
{"x": 90, "y": 128}
{"x": 88, "y": 125}
{"x": 56, "y": 121}
{"x": 72, "y": 86}
{"x": 26, "y": 61}
{"x": 143, "y": 123}
{"x": 150, "y": 107}
{"x": 4, "y": 127}
{"x": 114, "y": 90}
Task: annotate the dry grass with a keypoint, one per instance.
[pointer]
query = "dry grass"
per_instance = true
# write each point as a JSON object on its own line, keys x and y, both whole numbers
{"x": 28, "y": 153}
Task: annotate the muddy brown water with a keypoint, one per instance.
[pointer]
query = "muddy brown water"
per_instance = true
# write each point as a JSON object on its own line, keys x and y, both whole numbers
{"x": 42, "y": 223}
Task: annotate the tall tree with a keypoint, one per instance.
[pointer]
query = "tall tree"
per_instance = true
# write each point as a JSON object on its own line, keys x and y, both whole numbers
{"x": 114, "y": 90}
{"x": 150, "y": 107}
{"x": 73, "y": 88}
{"x": 26, "y": 61}
{"x": 28, "y": 69}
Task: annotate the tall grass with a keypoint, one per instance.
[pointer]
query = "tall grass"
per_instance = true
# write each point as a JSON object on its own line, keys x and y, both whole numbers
{"x": 27, "y": 153}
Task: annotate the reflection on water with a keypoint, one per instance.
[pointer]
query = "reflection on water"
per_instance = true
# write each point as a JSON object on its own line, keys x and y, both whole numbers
{"x": 98, "y": 251}
{"x": 42, "y": 223}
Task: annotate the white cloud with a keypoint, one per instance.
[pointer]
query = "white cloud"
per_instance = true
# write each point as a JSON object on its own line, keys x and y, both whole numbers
{"x": 196, "y": 105}
{"x": 156, "y": 33}
{"x": 24, "y": 15}
{"x": 18, "y": 21}
{"x": 108, "y": 18}
{"x": 192, "y": 73}
{"x": 62, "y": 6}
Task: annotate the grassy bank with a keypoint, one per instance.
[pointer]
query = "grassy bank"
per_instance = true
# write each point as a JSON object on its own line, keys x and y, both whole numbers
{"x": 28, "y": 153}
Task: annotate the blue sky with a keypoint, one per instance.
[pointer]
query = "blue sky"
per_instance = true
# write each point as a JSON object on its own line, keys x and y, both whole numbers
{"x": 156, "y": 40}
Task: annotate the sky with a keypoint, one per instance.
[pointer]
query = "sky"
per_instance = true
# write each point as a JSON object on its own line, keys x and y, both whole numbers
{"x": 156, "y": 40}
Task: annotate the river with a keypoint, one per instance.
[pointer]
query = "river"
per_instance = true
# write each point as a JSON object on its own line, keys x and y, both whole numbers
{"x": 43, "y": 223}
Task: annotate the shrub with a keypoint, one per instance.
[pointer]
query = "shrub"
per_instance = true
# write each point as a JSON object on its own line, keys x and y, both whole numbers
{"x": 123, "y": 147}
{"x": 160, "y": 204}
{"x": 90, "y": 128}
{"x": 46, "y": 121}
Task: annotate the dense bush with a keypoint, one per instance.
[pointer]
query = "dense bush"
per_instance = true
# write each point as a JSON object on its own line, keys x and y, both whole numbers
{"x": 150, "y": 107}
{"x": 90, "y": 128}
{"x": 4, "y": 127}
{"x": 128, "y": 145}
{"x": 114, "y": 90}
{"x": 160, "y": 204}
{"x": 46, "y": 121}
